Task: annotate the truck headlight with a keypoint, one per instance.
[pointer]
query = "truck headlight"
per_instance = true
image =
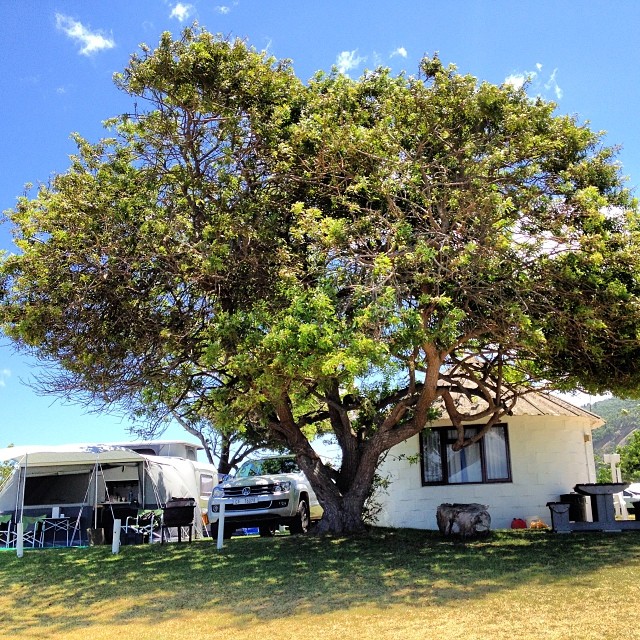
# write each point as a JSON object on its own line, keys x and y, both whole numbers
{"x": 218, "y": 492}
{"x": 282, "y": 487}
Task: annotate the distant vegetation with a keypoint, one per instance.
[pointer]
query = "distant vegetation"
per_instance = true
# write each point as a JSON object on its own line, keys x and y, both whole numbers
{"x": 620, "y": 434}
{"x": 6, "y": 469}
{"x": 622, "y": 418}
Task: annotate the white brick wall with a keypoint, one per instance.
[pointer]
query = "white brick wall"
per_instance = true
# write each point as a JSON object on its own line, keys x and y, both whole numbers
{"x": 549, "y": 456}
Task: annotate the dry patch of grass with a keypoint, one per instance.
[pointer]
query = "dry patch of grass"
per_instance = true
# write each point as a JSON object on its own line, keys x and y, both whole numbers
{"x": 390, "y": 584}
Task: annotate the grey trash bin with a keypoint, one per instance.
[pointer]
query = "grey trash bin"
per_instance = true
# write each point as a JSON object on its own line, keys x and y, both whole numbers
{"x": 577, "y": 506}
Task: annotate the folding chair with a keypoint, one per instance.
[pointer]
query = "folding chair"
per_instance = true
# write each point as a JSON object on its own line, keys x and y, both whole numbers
{"x": 141, "y": 527}
{"x": 7, "y": 531}
{"x": 33, "y": 531}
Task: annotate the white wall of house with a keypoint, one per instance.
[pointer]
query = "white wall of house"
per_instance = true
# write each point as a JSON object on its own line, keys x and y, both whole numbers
{"x": 549, "y": 455}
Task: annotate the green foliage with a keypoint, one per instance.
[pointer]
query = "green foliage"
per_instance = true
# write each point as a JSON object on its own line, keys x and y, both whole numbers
{"x": 6, "y": 469}
{"x": 287, "y": 259}
{"x": 603, "y": 471}
{"x": 372, "y": 506}
{"x": 630, "y": 458}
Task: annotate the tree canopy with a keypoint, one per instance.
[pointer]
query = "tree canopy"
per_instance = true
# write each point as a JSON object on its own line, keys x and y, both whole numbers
{"x": 346, "y": 256}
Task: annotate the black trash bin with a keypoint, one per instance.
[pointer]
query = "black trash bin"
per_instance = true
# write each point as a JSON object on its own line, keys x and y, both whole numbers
{"x": 577, "y": 506}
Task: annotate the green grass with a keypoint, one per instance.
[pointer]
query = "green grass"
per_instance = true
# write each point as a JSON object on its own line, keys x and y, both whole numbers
{"x": 390, "y": 584}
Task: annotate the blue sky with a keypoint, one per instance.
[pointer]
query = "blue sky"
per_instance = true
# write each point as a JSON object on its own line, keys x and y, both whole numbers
{"x": 59, "y": 57}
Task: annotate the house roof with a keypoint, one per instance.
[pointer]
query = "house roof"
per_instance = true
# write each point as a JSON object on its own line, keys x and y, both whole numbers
{"x": 533, "y": 404}
{"x": 546, "y": 404}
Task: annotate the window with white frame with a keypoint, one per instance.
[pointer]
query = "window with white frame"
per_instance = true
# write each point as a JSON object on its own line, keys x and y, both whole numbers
{"x": 485, "y": 461}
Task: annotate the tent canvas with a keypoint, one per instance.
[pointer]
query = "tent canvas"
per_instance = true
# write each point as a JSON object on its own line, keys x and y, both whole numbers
{"x": 54, "y": 455}
{"x": 77, "y": 479}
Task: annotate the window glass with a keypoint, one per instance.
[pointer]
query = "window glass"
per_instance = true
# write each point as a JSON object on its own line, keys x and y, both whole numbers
{"x": 464, "y": 465}
{"x": 206, "y": 484}
{"x": 268, "y": 466}
{"x": 431, "y": 456}
{"x": 484, "y": 461}
{"x": 495, "y": 446}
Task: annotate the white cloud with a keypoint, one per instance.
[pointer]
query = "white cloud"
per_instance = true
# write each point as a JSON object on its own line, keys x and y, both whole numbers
{"x": 181, "y": 11}
{"x": 4, "y": 374}
{"x": 223, "y": 9}
{"x": 552, "y": 84}
{"x": 400, "y": 51}
{"x": 537, "y": 85}
{"x": 348, "y": 60}
{"x": 91, "y": 41}
{"x": 518, "y": 80}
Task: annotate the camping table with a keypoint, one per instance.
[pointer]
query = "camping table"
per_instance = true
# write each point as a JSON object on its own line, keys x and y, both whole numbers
{"x": 54, "y": 525}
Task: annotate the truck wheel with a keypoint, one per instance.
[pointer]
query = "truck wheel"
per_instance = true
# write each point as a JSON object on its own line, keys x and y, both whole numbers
{"x": 301, "y": 521}
{"x": 266, "y": 530}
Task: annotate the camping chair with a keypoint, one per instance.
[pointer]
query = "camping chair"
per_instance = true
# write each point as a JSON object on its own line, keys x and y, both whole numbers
{"x": 141, "y": 527}
{"x": 33, "y": 532}
{"x": 620, "y": 505}
{"x": 7, "y": 531}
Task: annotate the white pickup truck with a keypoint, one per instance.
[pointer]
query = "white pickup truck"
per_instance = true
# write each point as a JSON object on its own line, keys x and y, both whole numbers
{"x": 265, "y": 493}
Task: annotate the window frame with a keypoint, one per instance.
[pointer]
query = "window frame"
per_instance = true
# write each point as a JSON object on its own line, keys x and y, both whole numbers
{"x": 445, "y": 442}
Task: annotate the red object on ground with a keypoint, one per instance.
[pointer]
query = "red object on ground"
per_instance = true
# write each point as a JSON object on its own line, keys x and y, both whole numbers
{"x": 518, "y": 523}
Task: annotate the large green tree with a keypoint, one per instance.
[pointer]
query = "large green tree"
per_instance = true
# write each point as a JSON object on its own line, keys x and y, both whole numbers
{"x": 343, "y": 255}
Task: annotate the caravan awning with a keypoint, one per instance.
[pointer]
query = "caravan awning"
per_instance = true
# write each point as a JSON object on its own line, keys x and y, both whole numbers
{"x": 52, "y": 455}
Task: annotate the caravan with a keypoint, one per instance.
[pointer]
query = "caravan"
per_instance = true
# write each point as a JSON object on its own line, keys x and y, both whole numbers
{"x": 62, "y": 493}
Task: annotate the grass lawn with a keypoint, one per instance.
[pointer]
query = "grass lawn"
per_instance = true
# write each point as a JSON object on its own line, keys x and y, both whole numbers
{"x": 391, "y": 584}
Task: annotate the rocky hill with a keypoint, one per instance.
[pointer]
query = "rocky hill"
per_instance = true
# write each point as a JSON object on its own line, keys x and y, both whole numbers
{"x": 622, "y": 418}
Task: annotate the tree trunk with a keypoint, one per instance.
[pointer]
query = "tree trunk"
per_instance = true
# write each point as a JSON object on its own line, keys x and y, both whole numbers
{"x": 342, "y": 516}
{"x": 342, "y": 495}
{"x": 224, "y": 464}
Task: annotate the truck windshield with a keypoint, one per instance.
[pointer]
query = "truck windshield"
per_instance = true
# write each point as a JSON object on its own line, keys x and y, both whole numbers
{"x": 267, "y": 466}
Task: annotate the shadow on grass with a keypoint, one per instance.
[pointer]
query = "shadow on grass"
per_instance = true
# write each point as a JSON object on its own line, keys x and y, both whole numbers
{"x": 275, "y": 578}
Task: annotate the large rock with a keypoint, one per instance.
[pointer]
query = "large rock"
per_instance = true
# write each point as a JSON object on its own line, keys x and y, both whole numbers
{"x": 464, "y": 520}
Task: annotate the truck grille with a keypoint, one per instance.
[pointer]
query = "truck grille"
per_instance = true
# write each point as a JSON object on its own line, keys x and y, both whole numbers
{"x": 258, "y": 490}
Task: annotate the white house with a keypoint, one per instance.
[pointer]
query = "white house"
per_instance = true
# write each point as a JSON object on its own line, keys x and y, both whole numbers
{"x": 531, "y": 458}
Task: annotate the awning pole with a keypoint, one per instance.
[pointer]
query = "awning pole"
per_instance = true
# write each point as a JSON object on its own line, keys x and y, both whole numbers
{"x": 220, "y": 540}
{"x": 24, "y": 485}
{"x": 20, "y": 539}
{"x": 95, "y": 501}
